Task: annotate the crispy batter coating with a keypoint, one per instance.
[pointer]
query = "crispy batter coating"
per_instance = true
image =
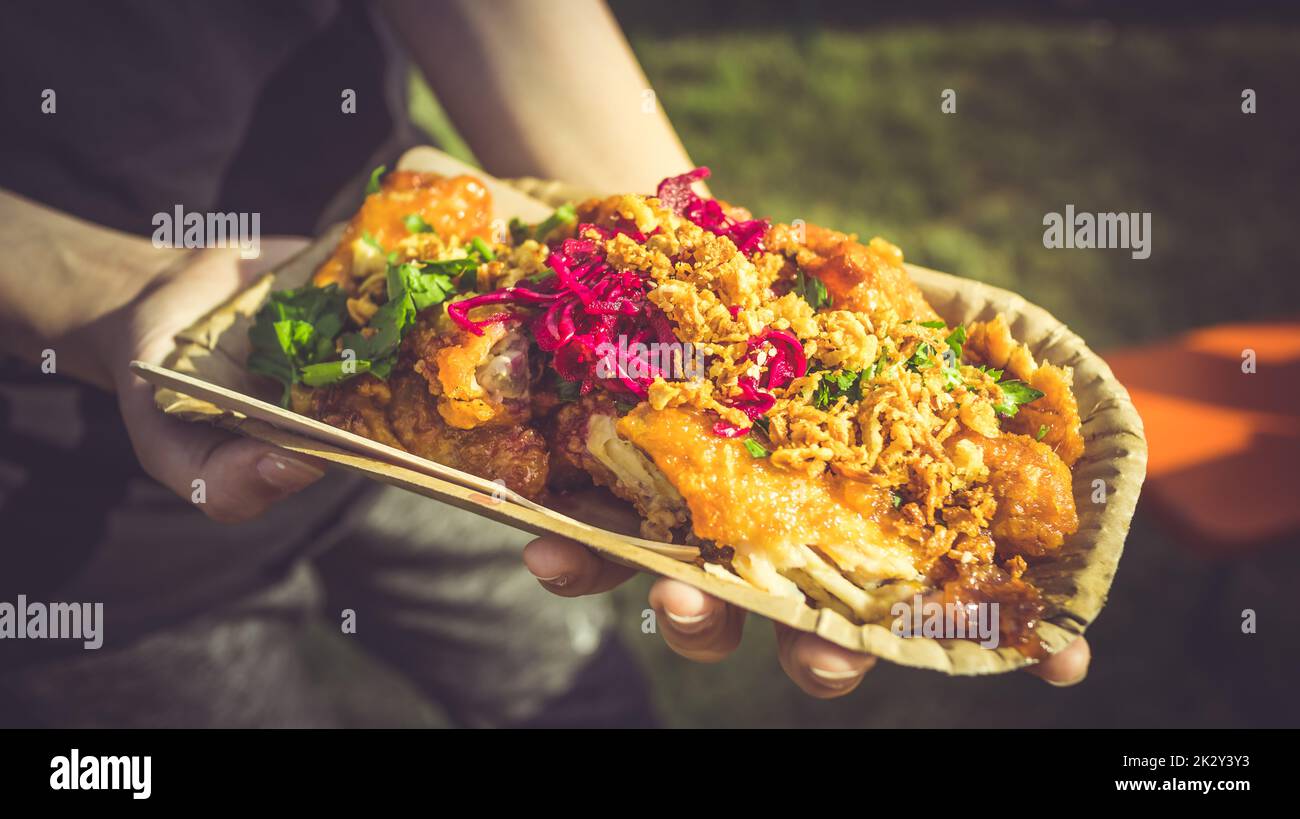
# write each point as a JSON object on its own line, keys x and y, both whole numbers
{"x": 1035, "y": 504}
{"x": 862, "y": 278}
{"x": 514, "y": 454}
{"x": 1054, "y": 418}
{"x": 585, "y": 436}
{"x": 409, "y": 412}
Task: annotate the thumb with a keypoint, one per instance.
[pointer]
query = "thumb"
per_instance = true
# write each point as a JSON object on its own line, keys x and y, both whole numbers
{"x": 229, "y": 478}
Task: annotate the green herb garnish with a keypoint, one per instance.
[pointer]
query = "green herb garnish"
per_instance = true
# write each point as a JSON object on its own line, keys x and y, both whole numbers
{"x": 956, "y": 342}
{"x": 756, "y": 450}
{"x": 296, "y": 333}
{"x": 565, "y": 214}
{"x": 1042, "y": 433}
{"x": 949, "y": 361}
{"x": 922, "y": 358}
{"x": 996, "y": 375}
{"x": 482, "y": 248}
{"x": 415, "y": 224}
{"x": 295, "y": 329}
{"x": 518, "y": 230}
{"x": 373, "y": 185}
{"x": 1014, "y": 394}
{"x": 812, "y": 290}
{"x": 831, "y": 386}
{"x": 332, "y": 372}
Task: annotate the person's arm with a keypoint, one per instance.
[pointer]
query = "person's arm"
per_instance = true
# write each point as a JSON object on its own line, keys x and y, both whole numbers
{"x": 60, "y": 277}
{"x": 550, "y": 90}
{"x": 98, "y": 298}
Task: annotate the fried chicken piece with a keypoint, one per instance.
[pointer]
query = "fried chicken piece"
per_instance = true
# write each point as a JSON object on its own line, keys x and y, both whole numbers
{"x": 515, "y": 454}
{"x": 401, "y": 414}
{"x": 476, "y": 380}
{"x": 770, "y": 515}
{"x": 407, "y": 411}
{"x": 359, "y": 406}
{"x": 1056, "y": 413}
{"x": 583, "y": 437}
{"x": 863, "y": 278}
{"x": 456, "y": 206}
{"x": 1033, "y": 491}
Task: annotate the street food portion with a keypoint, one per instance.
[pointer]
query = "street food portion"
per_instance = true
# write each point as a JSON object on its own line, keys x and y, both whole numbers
{"x": 781, "y": 396}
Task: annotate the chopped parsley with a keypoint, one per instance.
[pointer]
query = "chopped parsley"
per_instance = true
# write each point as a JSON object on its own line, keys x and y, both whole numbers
{"x": 756, "y": 450}
{"x": 482, "y": 248}
{"x": 956, "y": 341}
{"x": 1014, "y": 394}
{"x": 565, "y": 214}
{"x": 296, "y": 334}
{"x": 415, "y": 224}
{"x": 832, "y": 386}
{"x": 518, "y": 230}
{"x": 922, "y": 358}
{"x": 373, "y": 185}
{"x": 948, "y": 361}
{"x": 937, "y": 324}
{"x": 1042, "y": 433}
{"x": 294, "y": 330}
{"x": 812, "y": 290}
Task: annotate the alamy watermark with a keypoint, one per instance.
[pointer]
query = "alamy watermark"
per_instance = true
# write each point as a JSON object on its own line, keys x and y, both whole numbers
{"x": 52, "y": 621}
{"x": 1131, "y": 231}
{"x": 75, "y": 772}
{"x": 192, "y": 229}
{"x": 675, "y": 360}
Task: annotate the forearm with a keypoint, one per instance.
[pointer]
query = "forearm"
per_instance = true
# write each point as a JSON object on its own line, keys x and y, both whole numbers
{"x": 60, "y": 278}
{"x": 543, "y": 89}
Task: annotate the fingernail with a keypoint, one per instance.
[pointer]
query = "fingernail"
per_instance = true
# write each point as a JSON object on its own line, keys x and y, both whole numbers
{"x": 287, "y": 474}
{"x": 835, "y": 679}
{"x": 560, "y": 580}
{"x": 690, "y": 623}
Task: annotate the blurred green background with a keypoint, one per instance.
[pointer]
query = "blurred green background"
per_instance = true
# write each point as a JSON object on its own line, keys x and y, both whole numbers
{"x": 833, "y": 116}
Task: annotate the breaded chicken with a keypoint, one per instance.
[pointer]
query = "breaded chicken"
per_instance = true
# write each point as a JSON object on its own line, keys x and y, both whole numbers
{"x": 1032, "y": 487}
{"x": 454, "y": 397}
{"x": 584, "y": 437}
{"x": 1053, "y": 418}
{"x": 862, "y": 278}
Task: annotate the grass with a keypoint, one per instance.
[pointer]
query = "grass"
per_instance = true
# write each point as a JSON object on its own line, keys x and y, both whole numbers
{"x": 842, "y": 127}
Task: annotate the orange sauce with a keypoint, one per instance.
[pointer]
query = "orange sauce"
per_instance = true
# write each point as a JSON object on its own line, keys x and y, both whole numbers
{"x": 458, "y": 206}
{"x": 745, "y": 502}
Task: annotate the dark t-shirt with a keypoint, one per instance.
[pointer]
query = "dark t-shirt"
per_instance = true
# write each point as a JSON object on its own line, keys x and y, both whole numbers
{"x": 229, "y": 106}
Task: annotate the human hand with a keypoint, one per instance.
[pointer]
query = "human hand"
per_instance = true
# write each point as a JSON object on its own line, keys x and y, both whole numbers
{"x": 705, "y": 629}
{"x": 242, "y": 477}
